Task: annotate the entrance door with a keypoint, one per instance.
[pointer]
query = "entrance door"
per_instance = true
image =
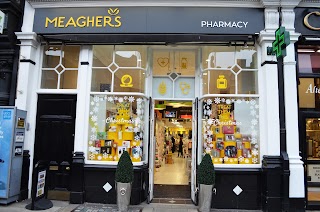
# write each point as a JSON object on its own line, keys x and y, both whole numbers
{"x": 173, "y": 153}
{"x": 54, "y": 140}
{"x": 311, "y": 139}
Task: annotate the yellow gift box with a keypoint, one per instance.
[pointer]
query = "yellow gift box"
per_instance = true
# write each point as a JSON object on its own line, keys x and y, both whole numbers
{"x": 112, "y": 135}
{"x": 246, "y": 144}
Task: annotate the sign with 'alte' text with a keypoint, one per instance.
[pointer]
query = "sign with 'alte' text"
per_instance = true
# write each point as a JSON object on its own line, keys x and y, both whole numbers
{"x": 148, "y": 20}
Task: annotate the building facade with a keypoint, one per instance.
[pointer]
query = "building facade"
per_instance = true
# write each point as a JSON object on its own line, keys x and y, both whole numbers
{"x": 96, "y": 71}
{"x": 13, "y": 11}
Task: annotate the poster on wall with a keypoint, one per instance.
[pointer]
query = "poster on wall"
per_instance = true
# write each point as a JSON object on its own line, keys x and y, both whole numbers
{"x": 314, "y": 172}
{"x": 41, "y": 183}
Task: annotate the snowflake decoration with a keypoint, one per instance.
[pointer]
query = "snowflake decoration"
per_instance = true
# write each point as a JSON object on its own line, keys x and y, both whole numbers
{"x": 99, "y": 157}
{"x": 209, "y": 101}
{"x": 139, "y": 112}
{"x": 93, "y": 137}
{"x": 241, "y": 158}
{"x": 211, "y": 145}
{"x": 139, "y": 100}
{"x": 253, "y": 112}
{"x": 223, "y": 100}
{"x": 210, "y": 121}
{"x": 97, "y": 104}
{"x": 110, "y": 99}
{"x": 228, "y": 101}
{"x": 217, "y": 100}
{"x": 233, "y": 100}
{"x": 102, "y": 99}
{"x": 255, "y": 152}
{"x": 246, "y": 160}
{"x": 92, "y": 149}
{"x": 125, "y": 98}
{"x": 91, "y": 156}
{"x": 90, "y": 142}
{"x": 255, "y": 160}
{"x": 92, "y": 103}
{"x": 137, "y": 138}
{"x": 120, "y": 99}
{"x": 238, "y": 101}
{"x": 96, "y": 99}
{"x": 205, "y": 145}
{"x": 252, "y": 101}
{"x": 226, "y": 158}
{"x": 220, "y": 159}
{"x": 93, "y": 129}
{"x": 210, "y": 132}
{"x": 131, "y": 99}
{"x": 209, "y": 112}
{"x": 138, "y": 120}
{"x": 105, "y": 156}
{"x": 95, "y": 124}
{"x": 136, "y": 129}
{"x": 256, "y": 106}
{"x": 254, "y": 141}
{"x": 94, "y": 118}
{"x": 254, "y": 121}
{"x": 116, "y": 98}
{"x": 91, "y": 112}
{"x": 95, "y": 109}
{"x": 208, "y": 150}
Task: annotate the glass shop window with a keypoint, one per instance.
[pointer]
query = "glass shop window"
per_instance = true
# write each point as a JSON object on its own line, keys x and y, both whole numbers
{"x": 309, "y": 93}
{"x": 119, "y": 68}
{"x": 230, "y": 108}
{"x": 309, "y": 59}
{"x": 117, "y": 103}
{"x": 230, "y": 128}
{"x": 230, "y": 69}
{"x": 116, "y": 124}
{"x": 60, "y": 67}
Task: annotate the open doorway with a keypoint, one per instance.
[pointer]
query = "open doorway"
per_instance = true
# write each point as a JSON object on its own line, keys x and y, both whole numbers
{"x": 173, "y": 151}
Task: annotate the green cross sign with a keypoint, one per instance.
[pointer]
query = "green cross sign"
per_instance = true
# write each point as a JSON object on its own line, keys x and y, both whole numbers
{"x": 281, "y": 42}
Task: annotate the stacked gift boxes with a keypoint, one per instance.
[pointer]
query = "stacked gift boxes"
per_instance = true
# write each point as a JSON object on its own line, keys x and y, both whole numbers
{"x": 119, "y": 137}
{"x": 227, "y": 145}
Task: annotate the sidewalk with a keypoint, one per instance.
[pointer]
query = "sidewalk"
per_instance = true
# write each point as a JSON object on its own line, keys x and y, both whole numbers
{"x": 64, "y": 206}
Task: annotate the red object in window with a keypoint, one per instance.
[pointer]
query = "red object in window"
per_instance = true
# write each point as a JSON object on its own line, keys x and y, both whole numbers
{"x": 186, "y": 116}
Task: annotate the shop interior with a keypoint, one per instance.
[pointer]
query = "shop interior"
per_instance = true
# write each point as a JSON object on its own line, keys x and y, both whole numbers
{"x": 313, "y": 159}
{"x": 173, "y": 135}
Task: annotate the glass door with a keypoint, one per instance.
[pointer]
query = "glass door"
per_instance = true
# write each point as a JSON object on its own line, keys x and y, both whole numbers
{"x": 312, "y": 165}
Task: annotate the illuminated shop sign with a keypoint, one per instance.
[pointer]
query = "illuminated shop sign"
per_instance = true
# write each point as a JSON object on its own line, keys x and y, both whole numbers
{"x": 307, "y": 21}
{"x": 149, "y": 20}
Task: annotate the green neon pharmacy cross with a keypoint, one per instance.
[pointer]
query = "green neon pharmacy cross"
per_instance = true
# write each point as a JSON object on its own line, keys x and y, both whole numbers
{"x": 281, "y": 42}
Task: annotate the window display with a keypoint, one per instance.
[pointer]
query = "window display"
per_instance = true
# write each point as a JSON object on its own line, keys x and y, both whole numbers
{"x": 116, "y": 124}
{"x": 231, "y": 130}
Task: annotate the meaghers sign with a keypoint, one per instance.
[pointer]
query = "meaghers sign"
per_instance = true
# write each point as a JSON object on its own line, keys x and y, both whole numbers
{"x": 112, "y": 20}
{"x": 306, "y": 20}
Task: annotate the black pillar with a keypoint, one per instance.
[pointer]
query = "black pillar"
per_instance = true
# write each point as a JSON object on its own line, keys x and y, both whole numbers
{"x": 25, "y": 176}
{"x": 271, "y": 183}
{"x": 77, "y": 179}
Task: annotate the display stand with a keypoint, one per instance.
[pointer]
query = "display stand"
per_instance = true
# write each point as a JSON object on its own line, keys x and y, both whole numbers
{"x": 39, "y": 190}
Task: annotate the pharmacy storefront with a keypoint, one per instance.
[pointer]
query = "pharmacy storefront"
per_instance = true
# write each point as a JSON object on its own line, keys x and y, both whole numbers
{"x": 94, "y": 80}
{"x": 308, "y": 55}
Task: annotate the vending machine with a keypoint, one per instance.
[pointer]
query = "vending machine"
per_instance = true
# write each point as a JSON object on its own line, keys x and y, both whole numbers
{"x": 12, "y": 134}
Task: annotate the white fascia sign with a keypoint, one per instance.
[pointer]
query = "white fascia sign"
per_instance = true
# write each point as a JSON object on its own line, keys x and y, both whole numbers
{"x": 2, "y": 16}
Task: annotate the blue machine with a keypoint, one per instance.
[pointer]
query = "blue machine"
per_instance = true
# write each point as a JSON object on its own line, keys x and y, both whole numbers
{"x": 12, "y": 134}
